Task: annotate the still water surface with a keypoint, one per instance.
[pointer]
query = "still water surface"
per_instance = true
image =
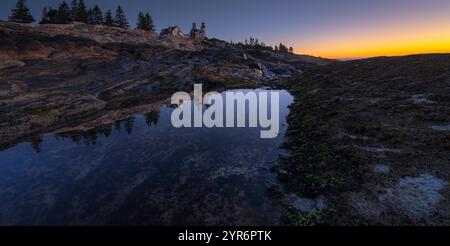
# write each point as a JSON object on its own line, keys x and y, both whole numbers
{"x": 143, "y": 171}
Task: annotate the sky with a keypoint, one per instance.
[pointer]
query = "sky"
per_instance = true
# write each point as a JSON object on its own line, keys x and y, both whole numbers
{"x": 326, "y": 28}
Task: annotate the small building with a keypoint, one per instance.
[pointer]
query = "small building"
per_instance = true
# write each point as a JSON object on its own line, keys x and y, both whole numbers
{"x": 198, "y": 33}
{"x": 172, "y": 31}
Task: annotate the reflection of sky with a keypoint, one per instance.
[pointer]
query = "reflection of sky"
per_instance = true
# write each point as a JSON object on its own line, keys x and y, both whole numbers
{"x": 142, "y": 171}
{"x": 330, "y": 28}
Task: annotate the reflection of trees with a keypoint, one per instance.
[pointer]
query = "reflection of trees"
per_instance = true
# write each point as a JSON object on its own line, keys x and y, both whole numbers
{"x": 76, "y": 138}
{"x": 36, "y": 144}
{"x": 91, "y": 136}
{"x": 128, "y": 124}
{"x": 151, "y": 119}
{"x": 117, "y": 125}
{"x": 106, "y": 130}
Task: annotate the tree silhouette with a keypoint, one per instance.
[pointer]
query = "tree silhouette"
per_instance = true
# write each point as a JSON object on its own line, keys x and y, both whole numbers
{"x": 82, "y": 13}
{"x": 120, "y": 19}
{"x": 145, "y": 22}
{"x": 36, "y": 144}
{"x": 49, "y": 16}
{"x": 44, "y": 18}
{"x": 90, "y": 137}
{"x": 283, "y": 48}
{"x": 76, "y": 137}
{"x": 152, "y": 118}
{"x": 96, "y": 15}
{"x": 63, "y": 16}
{"x": 149, "y": 20}
{"x": 140, "y": 21}
{"x": 90, "y": 20}
{"x": 128, "y": 124}
{"x": 108, "y": 20}
{"x": 74, "y": 9}
{"x": 106, "y": 130}
{"x": 21, "y": 14}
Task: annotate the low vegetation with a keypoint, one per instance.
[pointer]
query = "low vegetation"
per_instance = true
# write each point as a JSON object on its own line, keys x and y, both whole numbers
{"x": 349, "y": 118}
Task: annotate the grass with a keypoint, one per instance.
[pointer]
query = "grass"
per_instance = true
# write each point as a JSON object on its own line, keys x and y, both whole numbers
{"x": 296, "y": 218}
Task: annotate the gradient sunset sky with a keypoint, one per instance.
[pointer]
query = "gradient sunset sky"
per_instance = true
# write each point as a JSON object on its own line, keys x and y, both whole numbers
{"x": 327, "y": 28}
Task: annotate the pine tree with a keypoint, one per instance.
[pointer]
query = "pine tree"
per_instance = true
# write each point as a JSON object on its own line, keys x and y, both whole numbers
{"x": 141, "y": 21}
{"x": 63, "y": 16}
{"x": 82, "y": 13}
{"x": 90, "y": 17}
{"x": 120, "y": 19}
{"x": 96, "y": 15}
{"x": 291, "y": 50}
{"x": 74, "y": 9}
{"x": 149, "y": 19}
{"x": 282, "y": 48}
{"x": 49, "y": 16}
{"x": 44, "y": 18}
{"x": 145, "y": 22}
{"x": 21, "y": 13}
{"x": 108, "y": 20}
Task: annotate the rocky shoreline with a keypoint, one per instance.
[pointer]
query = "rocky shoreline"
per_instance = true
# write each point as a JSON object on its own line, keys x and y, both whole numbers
{"x": 60, "y": 76}
{"x": 365, "y": 149}
{"x": 368, "y": 139}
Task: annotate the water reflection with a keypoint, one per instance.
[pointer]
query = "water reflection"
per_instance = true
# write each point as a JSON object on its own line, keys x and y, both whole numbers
{"x": 142, "y": 171}
{"x": 89, "y": 137}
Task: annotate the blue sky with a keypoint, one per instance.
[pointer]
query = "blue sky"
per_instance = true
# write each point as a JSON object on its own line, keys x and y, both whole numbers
{"x": 319, "y": 27}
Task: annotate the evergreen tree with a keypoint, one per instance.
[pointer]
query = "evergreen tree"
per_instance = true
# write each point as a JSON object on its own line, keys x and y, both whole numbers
{"x": 145, "y": 22}
{"x": 149, "y": 19}
{"x": 90, "y": 17}
{"x": 108, "y": 20}
{"x": 21, "y": 13}
{"x": 291, "y": 50}
{"x": 120, "y": 19}
{"x": 282, "y": 48}
{"x": 44, "y": 18}
{"x": 82, "y": 13}
{"x": 49, "y": 16}
{"x": 96, "y": 15}
{"x": 141, "y": 21}
{"x": 63, "y": 16}
{"x": 74, "y": 9}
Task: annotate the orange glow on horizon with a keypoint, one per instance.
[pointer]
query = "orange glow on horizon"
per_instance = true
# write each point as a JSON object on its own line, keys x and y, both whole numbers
{"x": 381, "y": 49}
{"x": 421, "y": 36}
